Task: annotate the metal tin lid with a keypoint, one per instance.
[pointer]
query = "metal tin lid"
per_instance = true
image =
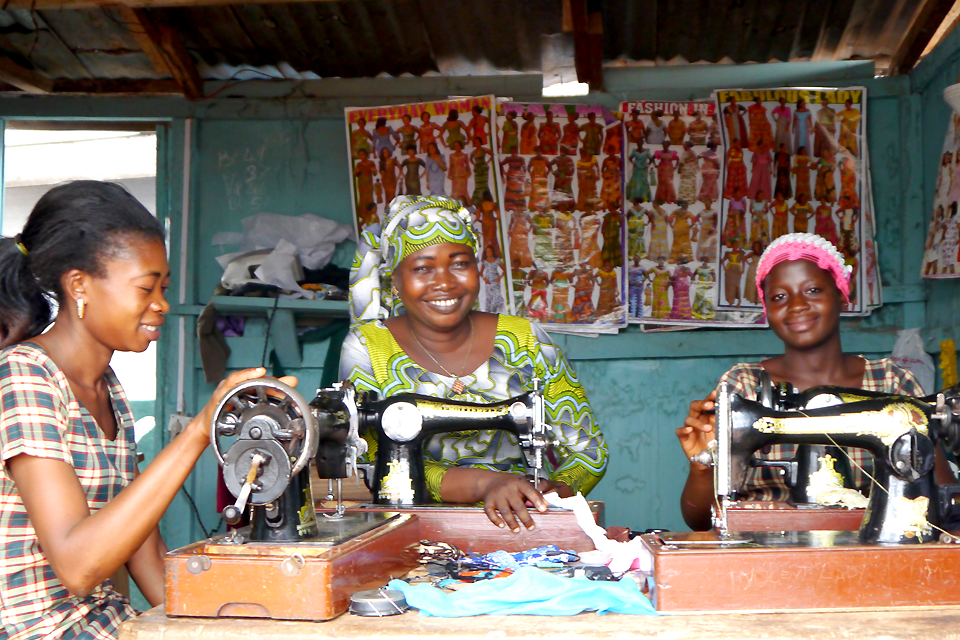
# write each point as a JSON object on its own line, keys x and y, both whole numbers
{"x": 384, "y": 602}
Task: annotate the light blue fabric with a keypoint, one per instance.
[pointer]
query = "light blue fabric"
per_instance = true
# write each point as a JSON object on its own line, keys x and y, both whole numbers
{"x": 529, "y": 591}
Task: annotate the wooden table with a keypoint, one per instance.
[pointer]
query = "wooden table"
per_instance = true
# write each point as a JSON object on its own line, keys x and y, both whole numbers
{"x": 915, "y": 624}
{"x": 886, "y": 625}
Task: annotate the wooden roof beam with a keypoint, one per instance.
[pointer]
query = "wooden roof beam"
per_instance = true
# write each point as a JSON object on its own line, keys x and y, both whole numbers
{"x": 117, "y": 87}
{"x": 587, "y": 22}
{"x": 165, "y": 49}
{"x": 928, "y": 20}
{"x": 23, "y": 78}
{"x": 46, "y": 5}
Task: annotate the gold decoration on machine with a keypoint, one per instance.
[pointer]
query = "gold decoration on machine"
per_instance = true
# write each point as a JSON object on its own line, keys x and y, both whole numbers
{"x": 912, "y": 515}
{"x": 397, "y": 485}
{"x": 307, "y": 513}
{"x": 826, "y": 487}
{"x": 887, "y": 424}
{"x": 442, "y": 409}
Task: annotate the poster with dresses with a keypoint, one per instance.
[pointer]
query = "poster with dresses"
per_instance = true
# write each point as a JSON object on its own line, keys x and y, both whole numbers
{"x": 941, "y": 255}
{"x": 674, "y": 157}
{"x": 444, "y": 147}
{"x": 561, "y": 169}
{"x": 795, "y": 163}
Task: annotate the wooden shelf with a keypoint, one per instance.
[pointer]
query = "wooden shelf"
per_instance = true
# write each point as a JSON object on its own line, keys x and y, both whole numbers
{"x": 283, "y": 328}
{"x": 241, "y": 306}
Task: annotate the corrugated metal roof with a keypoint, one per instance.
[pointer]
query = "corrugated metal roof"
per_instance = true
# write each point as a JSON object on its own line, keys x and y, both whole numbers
{"x": 370, "y": 38}
{"x": 740, "y": 31}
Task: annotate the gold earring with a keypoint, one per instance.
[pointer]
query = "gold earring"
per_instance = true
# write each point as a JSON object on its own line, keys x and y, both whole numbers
{"x": 80, "y": 308}
{"x": 396, "y": 294}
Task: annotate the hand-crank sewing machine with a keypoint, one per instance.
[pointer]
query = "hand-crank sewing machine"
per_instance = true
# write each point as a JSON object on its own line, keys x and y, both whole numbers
{"x": 901, "y": 556}
{"x": 291, "y": 564}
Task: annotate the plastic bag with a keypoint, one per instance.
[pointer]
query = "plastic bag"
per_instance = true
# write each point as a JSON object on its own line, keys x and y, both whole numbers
{"x": 315, "y": 238}
{"x": 908, "y": 354}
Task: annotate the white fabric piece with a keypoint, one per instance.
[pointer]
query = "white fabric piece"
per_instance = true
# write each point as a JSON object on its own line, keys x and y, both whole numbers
{"x": 282, "y": 269}
{"x": 619, "y": 556}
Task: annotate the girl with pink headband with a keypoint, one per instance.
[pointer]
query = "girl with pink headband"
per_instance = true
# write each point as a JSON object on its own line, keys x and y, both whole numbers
{"x": 803, "y": 283}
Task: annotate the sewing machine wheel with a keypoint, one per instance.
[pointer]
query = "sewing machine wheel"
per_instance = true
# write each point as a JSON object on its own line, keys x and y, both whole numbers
{"x": 269, "y": 418}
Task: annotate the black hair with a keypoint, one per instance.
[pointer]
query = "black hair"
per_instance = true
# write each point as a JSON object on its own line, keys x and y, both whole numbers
{"x": 24, "y": 311}
{"x": 452, "y": 115}
{"x": 77, "y": 225}
{"x": 381, "y": 122}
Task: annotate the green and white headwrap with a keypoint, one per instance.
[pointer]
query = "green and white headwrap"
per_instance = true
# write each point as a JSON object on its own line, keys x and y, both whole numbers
{"x": 410, "y": 224}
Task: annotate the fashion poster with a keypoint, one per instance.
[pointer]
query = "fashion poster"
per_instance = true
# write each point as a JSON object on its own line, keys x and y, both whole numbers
{"x": 561, "y": 169}
{"x": 941, "y": 256}
{"x": 795, "y": 163}
{"x": 673, "y": 159}
{"x": 444, "y": 147}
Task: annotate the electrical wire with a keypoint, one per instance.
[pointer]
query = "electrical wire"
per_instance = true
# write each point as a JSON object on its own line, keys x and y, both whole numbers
{"x": 230, "y": 84}
{"x": 266, "y": 338}
{"x": 196, "y": 515}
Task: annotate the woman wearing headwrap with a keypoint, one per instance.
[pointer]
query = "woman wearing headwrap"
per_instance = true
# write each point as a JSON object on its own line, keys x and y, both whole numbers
{"x": 422, "y": 335}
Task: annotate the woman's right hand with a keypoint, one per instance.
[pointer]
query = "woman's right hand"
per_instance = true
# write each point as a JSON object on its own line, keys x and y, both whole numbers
{"x": 698, "y": 429}
{"x": 203, "y": 419}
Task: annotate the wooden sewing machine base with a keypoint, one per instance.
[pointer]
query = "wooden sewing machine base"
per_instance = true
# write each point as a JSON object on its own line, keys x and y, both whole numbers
{"x": 468, "y": 527}
{"x": 310, "y": 580}
{"x": 765, "y": 515}
{"x": 798, "y": 571}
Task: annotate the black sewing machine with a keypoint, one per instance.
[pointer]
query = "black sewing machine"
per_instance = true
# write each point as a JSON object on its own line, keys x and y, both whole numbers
{"x": 264, "y": 435}
{"x": 275, "y": 435}
{"x": 800, "y": 471}
{"x": 905, "y": 506}
{"x": 880, "y": 566}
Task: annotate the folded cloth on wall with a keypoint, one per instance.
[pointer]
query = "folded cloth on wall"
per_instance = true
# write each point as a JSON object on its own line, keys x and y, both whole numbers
{"x": 214, "y": 350}
{"x": 528, "y": 591}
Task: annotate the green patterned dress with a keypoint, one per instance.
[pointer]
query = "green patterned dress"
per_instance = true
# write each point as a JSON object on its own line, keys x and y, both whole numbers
{"x": 373, "y": 360}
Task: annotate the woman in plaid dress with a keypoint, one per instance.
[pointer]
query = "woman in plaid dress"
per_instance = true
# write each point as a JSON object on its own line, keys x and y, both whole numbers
{"x": 803, "y": 298}
{"x": 73, "y": 508}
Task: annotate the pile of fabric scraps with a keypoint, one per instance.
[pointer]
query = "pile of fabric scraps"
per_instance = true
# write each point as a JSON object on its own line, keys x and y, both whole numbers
{"x": 542, "y": 581}
{"x": 548, "y": 556}
{"x": 528, "y": 591}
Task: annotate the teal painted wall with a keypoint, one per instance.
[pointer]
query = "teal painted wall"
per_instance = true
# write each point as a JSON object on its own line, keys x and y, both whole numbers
{"x": 936, "y": 72}
{"x": 639, "y": 384}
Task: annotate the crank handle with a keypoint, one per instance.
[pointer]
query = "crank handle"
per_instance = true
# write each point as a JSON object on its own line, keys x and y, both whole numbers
{"x": 232, "y": 513}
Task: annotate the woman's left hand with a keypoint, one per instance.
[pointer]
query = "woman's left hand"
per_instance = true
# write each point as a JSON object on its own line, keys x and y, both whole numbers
{"x": 505, "y": 500}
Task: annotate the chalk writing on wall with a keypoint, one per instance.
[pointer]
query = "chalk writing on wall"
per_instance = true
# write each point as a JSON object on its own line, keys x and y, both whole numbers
{"x": 246, "y": 172}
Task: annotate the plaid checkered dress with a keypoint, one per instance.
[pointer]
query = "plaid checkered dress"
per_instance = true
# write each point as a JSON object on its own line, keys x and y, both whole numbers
{"x": 765, "y": 483}
{"x": 39, "y": 416}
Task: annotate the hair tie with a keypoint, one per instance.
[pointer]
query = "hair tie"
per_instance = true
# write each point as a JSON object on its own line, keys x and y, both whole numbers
{"x": 17, "y": 241}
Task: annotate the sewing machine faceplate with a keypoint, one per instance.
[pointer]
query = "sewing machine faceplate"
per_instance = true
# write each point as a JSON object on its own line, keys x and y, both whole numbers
{"x": 768, "y": 571}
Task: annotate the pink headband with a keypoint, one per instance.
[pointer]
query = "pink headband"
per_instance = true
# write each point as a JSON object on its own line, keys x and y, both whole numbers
{"x": 805, "y": 246}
